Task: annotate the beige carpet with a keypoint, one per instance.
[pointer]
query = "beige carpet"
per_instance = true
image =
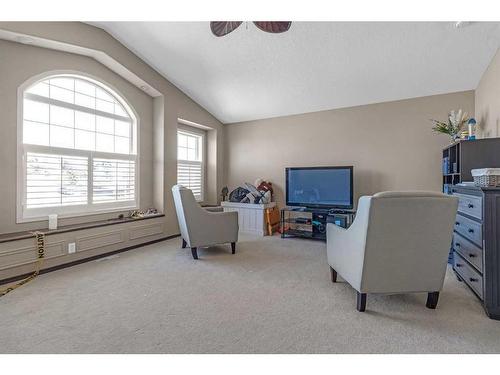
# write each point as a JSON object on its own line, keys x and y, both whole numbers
{"x": 273, "y": 296}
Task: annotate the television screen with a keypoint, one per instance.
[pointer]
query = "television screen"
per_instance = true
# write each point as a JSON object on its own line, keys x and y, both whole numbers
{"x": 319, "y": 187}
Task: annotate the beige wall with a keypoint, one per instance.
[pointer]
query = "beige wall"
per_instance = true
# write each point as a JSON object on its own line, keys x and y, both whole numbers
{"x": 487, "y": 97}
{"x": 390, "y": 145}
{"x": 174, "y": 104}
{"x": 158, "y": 118}
{"x": 20, "y": 63}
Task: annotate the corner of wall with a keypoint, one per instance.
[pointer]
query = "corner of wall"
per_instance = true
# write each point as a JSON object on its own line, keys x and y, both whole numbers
{"x": 487, "y": 100}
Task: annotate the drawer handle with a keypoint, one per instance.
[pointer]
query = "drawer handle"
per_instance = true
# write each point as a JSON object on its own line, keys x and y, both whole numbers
{"x": 472, "y": 255}
{"x": 472, "y": 279}
{"x": 457, "y": 244}
{"x": 471, "y": 230}
{"x": 470, "y": 205}
{"x": 457, "y": 223}
{"x": 459, "y": 265}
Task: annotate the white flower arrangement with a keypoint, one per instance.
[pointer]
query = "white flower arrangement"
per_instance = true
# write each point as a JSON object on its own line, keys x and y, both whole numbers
{"x": 457, "y": 121}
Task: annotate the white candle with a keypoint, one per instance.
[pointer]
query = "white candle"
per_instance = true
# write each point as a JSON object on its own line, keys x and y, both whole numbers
{"x": 53, "y": 221}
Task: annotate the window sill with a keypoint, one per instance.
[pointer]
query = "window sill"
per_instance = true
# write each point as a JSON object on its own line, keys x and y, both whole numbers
{"x": 70, "y": 228}
{"x": 99, "y": 211}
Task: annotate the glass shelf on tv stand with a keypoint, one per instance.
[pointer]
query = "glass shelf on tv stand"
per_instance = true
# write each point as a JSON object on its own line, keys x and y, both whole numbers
{"x": 320, "y": 210}
{"x": 293, "y": 224}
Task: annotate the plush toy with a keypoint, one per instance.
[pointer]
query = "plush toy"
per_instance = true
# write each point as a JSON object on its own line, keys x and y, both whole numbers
{"x": 265, "y": 186}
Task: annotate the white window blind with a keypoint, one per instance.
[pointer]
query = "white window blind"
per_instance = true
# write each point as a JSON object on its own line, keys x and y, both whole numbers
{"x": 55, "y": 180}
{"x": 190, "y": 175}
{"x": 114, "y": 180}
{"x": 79, "y": 149}
{"x": 190, "y": 163}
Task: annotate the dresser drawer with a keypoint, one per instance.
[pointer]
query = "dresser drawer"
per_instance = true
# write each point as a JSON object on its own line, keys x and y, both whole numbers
{"x": 470, "y": 229}
{"x": 470, "y": 205}
{"x": 470, "y": 276}
{"x": 469, "y": 251}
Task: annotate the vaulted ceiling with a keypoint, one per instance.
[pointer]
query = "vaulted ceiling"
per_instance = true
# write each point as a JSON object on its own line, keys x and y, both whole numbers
{"x": 250, "y": 74}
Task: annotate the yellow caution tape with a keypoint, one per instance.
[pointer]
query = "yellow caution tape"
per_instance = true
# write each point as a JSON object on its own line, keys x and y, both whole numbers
{"x": 40, "y": 252}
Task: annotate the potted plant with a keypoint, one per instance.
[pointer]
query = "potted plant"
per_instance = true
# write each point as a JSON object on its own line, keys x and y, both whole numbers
{"x": 457, "y": 120}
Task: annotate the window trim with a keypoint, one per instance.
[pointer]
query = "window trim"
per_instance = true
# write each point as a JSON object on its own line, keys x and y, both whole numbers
{"x": 22, "y": 149}
{"x": 203, "y": 134}
{"x": 74, "y": 107}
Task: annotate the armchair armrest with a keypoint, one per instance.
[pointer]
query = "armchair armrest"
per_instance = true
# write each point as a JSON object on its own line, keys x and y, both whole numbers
{"x": 214, "y": 208}
{"x": 343, "y": 242}
{"x": 346, "y": 247}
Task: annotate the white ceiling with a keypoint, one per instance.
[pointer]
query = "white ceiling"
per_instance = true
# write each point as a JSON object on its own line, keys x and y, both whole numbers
{"x": 250, "y": 74}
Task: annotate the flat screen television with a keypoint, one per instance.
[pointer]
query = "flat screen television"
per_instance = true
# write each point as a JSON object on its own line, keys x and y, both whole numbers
{"x": 319, "y": 187}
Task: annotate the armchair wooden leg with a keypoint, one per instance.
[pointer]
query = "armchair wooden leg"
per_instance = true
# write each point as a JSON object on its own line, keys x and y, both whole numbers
{"x": 233, "y": 247}
{"x": 432, "y": 300}
{"x": 361, "y": 302}
{"x": 333, "y": 275}
{"x": 184, "y": 243}
{"x": 194, "y": 252}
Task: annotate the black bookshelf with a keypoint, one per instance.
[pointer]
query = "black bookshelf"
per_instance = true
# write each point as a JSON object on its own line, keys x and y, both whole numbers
{"x": 461, "y": 157}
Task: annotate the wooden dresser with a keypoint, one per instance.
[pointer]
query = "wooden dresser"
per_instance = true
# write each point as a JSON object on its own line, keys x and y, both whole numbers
{"x": 476, "y": 244}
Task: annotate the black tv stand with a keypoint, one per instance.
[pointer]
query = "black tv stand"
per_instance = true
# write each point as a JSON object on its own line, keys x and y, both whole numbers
{"x": 307, "y": 222}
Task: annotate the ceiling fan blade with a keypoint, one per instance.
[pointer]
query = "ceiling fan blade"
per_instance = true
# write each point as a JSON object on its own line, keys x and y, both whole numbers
{"x": 273, "y": 26}
{"x": 221, "y": 28}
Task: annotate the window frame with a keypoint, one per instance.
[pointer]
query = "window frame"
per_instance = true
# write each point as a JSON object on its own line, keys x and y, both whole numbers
{"x": 203, "y": 135}
{"x": 24, "y": 215}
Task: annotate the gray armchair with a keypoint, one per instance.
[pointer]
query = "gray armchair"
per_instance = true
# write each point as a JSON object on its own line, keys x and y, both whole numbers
{"x": 201, "y": 227}
{"x": 398, "y": 243}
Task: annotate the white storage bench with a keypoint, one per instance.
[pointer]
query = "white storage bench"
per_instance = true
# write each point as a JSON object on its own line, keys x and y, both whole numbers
{"x": 251, "y": 217}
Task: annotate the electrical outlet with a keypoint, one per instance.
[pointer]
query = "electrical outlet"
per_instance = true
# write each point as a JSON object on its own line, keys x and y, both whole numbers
{"x": 71, "y": 248}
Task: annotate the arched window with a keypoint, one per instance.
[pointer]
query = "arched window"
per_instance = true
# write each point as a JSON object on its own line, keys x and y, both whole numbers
{"x": 78, "y": 143}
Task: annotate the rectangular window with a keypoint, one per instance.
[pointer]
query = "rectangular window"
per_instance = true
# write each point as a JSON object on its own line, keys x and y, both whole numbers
{"x": 66, "y": 184}
{"x": 190, "y": 161}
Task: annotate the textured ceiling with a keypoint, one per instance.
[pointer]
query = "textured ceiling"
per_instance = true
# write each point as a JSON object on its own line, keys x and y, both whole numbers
{"x": 250, "y": 74}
